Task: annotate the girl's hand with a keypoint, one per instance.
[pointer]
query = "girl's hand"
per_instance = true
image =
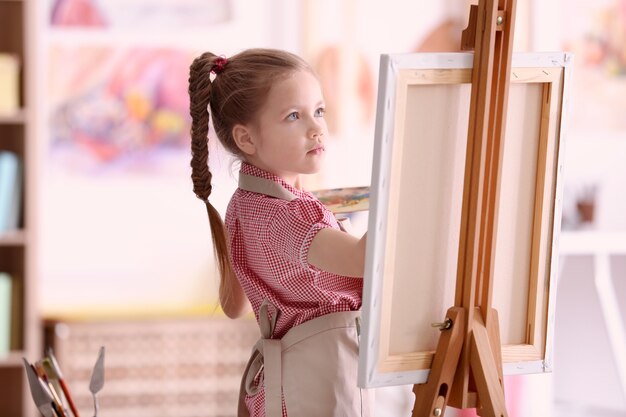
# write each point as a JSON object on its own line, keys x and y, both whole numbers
{"x": 338, "y": 252}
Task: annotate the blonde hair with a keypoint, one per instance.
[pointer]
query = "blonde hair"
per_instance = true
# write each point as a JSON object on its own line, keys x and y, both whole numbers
{"x": 235, "y": 96}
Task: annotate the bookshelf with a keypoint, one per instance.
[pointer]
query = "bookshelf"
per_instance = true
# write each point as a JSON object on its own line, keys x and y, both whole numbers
{"x": 18, "y": 135}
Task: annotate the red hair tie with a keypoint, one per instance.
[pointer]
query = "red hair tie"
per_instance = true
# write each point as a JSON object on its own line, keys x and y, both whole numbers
{"x": 219, "y": 64}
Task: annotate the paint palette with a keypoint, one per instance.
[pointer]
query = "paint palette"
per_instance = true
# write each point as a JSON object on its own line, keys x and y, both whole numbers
{"x": 344, "y": 200}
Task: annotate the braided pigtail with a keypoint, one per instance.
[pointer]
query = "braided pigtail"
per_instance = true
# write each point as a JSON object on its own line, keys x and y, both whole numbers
{"x": 200, "y": 86}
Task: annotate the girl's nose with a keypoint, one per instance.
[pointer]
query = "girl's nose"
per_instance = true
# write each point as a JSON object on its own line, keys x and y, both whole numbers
{"x": 316, "y": 134}
{"x": 316, "y": 130}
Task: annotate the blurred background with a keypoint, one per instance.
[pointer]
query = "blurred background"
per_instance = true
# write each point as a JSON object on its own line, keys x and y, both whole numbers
{"x": 109, "y": 246}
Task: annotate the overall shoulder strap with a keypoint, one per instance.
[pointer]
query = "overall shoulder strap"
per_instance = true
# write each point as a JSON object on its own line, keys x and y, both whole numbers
{"x": 264, "y": 186}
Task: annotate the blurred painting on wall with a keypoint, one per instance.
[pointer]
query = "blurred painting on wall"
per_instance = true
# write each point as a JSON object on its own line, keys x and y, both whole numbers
{"x": 602, "y": 42}
{"x": 117, "y": 108}
{"x": 134, "y": 14}
{"x": 596, "y": 33}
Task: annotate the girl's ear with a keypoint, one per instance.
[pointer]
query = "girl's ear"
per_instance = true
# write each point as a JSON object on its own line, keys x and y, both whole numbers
{"x": 244, "y": 140}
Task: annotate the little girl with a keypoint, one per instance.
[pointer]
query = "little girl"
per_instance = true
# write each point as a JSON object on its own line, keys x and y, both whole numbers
{"x": 281, "y": 252}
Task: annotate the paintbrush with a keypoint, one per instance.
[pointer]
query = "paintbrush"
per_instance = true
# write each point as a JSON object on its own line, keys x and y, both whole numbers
{"x": 59, "y": 376}
{"x": 39, "y": 392}
{"x": 53, "y": 381}
{"x": 43, "y": 376}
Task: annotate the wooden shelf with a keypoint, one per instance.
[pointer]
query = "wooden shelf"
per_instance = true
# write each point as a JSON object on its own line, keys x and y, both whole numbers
{"x": 16, "y": 118}
{"x": 16, "y": 238}
{"x": 12, "y": 359}
{"x": 18, "y": 134}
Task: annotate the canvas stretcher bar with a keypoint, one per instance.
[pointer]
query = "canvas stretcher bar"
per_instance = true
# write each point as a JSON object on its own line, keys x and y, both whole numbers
{"x": 415, "y": 210}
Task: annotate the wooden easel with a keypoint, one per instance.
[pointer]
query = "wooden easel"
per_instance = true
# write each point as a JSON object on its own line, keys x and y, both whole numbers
{"x": 467, "y": 367}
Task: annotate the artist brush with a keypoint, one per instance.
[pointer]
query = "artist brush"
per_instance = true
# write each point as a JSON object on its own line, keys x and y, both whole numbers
{"x": 59, "y": 376}
{"x": 54, "y": 381}
{"x": 41, "y": 372}
{"x": 39, "y": 391}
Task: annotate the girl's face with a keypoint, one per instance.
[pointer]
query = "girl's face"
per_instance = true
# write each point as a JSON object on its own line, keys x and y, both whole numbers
{"x": 289, "y": 133}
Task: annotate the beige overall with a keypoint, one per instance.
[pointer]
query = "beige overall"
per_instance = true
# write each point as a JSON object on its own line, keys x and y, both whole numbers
{"x": 314, "y": 365}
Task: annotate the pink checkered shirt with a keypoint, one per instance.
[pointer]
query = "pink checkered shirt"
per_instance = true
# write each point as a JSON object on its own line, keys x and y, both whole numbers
{"x": 269, "y": 242}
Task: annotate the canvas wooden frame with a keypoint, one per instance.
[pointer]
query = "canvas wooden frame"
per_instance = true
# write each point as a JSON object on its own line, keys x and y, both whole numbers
{"x": 415, "y": 212}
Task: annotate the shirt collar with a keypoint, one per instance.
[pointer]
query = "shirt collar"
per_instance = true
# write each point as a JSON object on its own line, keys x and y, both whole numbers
{"x": 249, "y": 169}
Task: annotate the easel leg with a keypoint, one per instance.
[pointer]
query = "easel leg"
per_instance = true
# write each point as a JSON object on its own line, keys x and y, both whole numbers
{"x": 493, "y": 330}
{"x": 486, "y": 371}
{"x": 431, "y": 398}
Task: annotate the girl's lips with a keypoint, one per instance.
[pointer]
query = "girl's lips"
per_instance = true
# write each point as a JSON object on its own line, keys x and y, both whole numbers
{"x": 317, "y": 150}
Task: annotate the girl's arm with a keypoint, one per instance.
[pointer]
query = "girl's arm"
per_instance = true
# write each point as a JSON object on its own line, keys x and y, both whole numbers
{"x": 232, "y": 298}
{"x": 338, "y": 252}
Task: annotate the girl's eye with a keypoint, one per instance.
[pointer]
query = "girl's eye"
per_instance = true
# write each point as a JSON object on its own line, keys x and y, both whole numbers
{"x": 320, "y": 112}
{"x": 293, "y": 116}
